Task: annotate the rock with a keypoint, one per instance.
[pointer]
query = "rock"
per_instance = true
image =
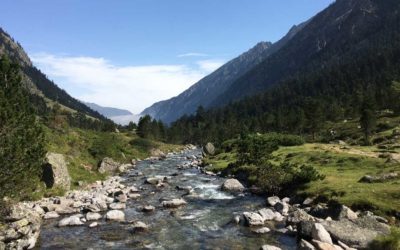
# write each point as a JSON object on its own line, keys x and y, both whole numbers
{"x": 133, "y": 196}
{"x": 148, "y": 208}
{"x": 273, "y": 200}
{"x": 282, "y": 207}
{"x": 93, "y": 224}
{"x": 174, "y": 203}
{"x": 62, "y": 209}
{"x": 278, "y": 217}
{"x": 269, "y": 247}
{"x": 253, "y": 219}
{"x": 154, "y": 180}
{"x": 19, "y": 224}
{"x": 51, "y": 215}
{"x": 380, "y": 178}
{"x": 209, "y": 149}
{"x": 236, "y": 219}
{"x": 357, "y": 234}
{"x": 115, "y": 215}
{"x": 108, "y": 165}
{"x": 344, "y": 246}
{"x": 93, "y": 216}
{"x": 297, "y": 216}
{"x": 262, "y": 230}
{"x": 232, "y": 185}
{"x": 267, "y": 214}
{"x": 305, "y": 245}
{"x": 139, "y": 226}
{"x": 117, "y": 206}
{"x": 124, "y": 167}
{"x": 70, "y": 221}
{"x": 318, "y": 232}
{"x": 323, "y": 245}
{"x": 55, "y": 172}
{"x": 308, "y": 202}
{"x": 347, "y": 213}
{"x": 38, "y": 209}
{"x": 157, "y": 153}
{"x": 286, "y": 200}
{"x": 120, "y": 197}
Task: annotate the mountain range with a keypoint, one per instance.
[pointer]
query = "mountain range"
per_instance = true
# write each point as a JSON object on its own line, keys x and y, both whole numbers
{"x": 119, "y": 116}
{"x": 330, "y": 37}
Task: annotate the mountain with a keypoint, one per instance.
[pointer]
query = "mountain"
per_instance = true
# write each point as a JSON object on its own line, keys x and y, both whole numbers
{"x": 342, "y": 29}
{"x": 343, "y": 63}
{"x": 107, "y": 111}
{"x": 120, "y": 116}
{"x": 37, "y": 82}
{"x": 204, "y": 92}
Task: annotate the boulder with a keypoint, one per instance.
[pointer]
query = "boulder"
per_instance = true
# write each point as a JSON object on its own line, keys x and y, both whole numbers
{"x": 356, "y": 234}
{"x": 270, "y": 247}
{"x": 108, "y": 165}
{"x": 139, "y": 226}
{"x": 323, "y": 245}
{"x": 55, "y": 172}
{"x": 148, "y": 208}
{"x": 267, "y": 214}
{"x": 70, "y": 221}
{"x": 115, "y": 215}
{"x": 273, "y": 200}
{"x": 209, "y": 149}
{"x": 282, "y": 207}
{"x": 347, "y": 213}
{"x": 318, "y": 232}
{"x": 253, "y": 219}
{"x": 117, "y": 206}
{"x": 305, "y": 245}
{"x": 261, "y": 230}
{"x": 174, "y": 203}
{"x": 297, "y": 216}
{"x": 232, "y": 185}
{"x": 93, "y": 216}
{"x": 51, "y": 215}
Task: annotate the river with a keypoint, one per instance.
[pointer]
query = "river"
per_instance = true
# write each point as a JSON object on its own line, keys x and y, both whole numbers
{"x": 204, "y": 223}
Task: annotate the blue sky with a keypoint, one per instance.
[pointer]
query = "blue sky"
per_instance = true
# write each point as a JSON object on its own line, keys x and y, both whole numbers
{"x": 131, "y": 53}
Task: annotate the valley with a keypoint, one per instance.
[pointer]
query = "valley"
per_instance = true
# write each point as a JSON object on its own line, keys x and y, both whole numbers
{"x": 293, "y": 144}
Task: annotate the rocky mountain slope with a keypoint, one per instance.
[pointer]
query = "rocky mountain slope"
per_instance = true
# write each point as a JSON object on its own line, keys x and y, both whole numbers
{"x": 204, "y": 92}
{"x": 37, "y": 82}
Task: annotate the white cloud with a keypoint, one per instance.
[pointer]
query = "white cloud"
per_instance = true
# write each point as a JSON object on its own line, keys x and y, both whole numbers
{"x": 210, "y": 65}
{"x": 131, "y": 87}
{"x": 193, "y": 54}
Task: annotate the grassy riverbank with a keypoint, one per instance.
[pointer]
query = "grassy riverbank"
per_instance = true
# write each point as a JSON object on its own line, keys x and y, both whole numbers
{"x": 342, "y": 167}
{"x": 84, "y": 149}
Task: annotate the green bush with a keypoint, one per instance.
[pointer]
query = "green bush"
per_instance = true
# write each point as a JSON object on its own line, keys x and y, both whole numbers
{"x": 142, "y": 143}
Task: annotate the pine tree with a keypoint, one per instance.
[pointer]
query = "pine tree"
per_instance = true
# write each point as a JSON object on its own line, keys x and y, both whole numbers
{"x": 21, "y": 136}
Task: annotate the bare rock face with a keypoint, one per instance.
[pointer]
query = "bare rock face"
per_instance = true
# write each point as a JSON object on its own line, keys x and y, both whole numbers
{"x": 232, "y": 185}
{"x": 108, "y": 165}
{"x": 55, "y": 172}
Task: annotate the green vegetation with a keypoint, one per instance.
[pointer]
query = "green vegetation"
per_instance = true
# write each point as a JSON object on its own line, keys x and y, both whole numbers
{"x": 21, "y": 137}
{"x": 389, "y": 242}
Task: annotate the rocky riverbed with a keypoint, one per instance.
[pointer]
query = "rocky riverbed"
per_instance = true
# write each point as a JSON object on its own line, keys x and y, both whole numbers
{"x": 170, "y": 204}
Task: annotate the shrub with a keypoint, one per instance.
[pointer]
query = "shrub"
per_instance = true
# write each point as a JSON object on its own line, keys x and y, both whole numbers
{"x": 388, "y": 242}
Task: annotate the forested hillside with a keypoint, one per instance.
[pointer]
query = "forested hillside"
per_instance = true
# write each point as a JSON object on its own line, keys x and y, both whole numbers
{"x": 366, "y": 76}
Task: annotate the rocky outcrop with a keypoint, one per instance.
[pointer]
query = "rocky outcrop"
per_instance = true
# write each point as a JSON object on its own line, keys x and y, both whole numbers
{"x": 209, "y": 149}
{"x": 55, "y": 172}
{"x": 108, "y": 165}
{"x": 233, "y": 186}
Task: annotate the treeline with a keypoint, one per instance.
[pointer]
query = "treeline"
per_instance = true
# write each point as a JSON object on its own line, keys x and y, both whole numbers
{"x": 356, "y": 85}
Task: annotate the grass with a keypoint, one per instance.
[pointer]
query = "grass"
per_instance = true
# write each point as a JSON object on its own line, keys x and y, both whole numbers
{"x": 219, "y": 162}
{"x": 84, "y": 149}
{"x": 343, "y": 171}
{"x": 388, "y": 242}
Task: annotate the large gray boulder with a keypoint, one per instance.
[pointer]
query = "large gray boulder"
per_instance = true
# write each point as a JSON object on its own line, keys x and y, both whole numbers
{"x": 209, "y": 149}
{"x": 55, "y": 172}
{"x": 253, "y": 219}
{"x": 318, "y": 232}
{"x": 108, "y": 165}
{"x": 233, "y": 186}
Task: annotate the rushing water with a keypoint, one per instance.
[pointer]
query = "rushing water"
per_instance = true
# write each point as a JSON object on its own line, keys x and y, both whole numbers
{"x": 204, "y": 223}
